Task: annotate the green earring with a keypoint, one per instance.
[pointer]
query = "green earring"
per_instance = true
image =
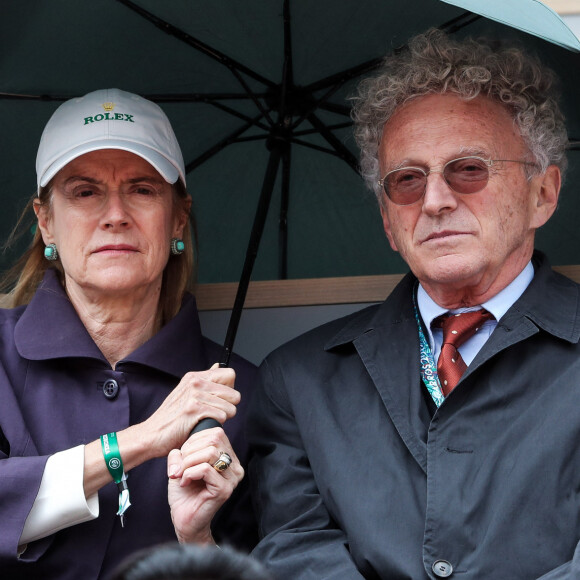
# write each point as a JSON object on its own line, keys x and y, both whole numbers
{"x": 50, "y": 252}
{"x": 177, "y": 246}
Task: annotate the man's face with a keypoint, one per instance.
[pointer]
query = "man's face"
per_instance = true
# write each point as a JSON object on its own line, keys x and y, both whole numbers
{"x": 464, "y": 248}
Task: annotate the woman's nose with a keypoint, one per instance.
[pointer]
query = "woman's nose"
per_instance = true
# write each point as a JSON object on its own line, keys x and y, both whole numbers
{"x": 115, "y": 212}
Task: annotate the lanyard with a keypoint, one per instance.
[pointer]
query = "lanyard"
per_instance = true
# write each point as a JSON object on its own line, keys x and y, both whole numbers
{"x": 428, "y": 366}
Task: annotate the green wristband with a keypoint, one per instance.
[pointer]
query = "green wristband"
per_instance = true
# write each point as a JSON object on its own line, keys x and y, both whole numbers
{"x": 114, "y": 464}
{"x": 112, "y": 456}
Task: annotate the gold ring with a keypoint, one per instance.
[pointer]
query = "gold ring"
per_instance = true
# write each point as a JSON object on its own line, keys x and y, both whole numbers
{"x": 223, "y": 462}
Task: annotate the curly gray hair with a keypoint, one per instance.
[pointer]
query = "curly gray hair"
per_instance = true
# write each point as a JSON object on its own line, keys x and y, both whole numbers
{"x": 436, "y": 64}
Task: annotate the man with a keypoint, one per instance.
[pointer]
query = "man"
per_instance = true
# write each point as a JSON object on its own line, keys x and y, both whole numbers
{"x": 374, "y": 455}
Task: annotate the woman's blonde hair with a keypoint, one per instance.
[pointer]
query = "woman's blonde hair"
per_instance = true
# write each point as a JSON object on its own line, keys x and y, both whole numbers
{"x": 22, "y": 280}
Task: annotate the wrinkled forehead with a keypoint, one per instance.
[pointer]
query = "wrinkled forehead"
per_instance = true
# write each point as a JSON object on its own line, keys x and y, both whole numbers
{"x": 440, "y": 127}
{"x": 110, "y": 164}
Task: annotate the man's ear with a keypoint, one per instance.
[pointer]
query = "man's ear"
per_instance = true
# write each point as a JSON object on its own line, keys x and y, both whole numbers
{"x": 44, "y": 224}
{"x": 387, "y": 226}
{"x": 546, "y": 191}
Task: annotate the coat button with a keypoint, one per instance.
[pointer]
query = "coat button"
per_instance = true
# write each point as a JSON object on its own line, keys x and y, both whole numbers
{"x": 110, "y": 389}
{"x": 442, "y": 568}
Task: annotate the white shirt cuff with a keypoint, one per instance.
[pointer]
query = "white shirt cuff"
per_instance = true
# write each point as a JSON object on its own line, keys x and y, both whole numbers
{"x": 60, "y": 502}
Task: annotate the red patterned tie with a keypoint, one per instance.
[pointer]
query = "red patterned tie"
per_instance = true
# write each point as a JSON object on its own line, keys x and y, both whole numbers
{"x": 457, "y": 328}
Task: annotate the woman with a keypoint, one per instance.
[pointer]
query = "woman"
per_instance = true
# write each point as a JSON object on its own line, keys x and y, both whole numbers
{"x": 102, "y": 359}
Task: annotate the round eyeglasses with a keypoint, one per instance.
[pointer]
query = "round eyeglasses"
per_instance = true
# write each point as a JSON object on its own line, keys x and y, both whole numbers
{"x": 407, "y": 185}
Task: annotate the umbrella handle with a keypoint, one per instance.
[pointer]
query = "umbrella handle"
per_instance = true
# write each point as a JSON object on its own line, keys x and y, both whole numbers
{"x": 208, "y": 422}
{"x": 204, "y": 424}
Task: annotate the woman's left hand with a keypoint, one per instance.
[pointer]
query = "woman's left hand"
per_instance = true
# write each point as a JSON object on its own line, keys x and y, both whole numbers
{"x": 196, "y": 489}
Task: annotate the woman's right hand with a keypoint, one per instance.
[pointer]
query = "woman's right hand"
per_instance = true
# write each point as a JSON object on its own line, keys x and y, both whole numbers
{"x": 198, "y": 395}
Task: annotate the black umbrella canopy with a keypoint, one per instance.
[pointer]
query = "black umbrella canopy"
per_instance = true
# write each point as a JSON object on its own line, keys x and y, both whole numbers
{"x": 257, "y": 94}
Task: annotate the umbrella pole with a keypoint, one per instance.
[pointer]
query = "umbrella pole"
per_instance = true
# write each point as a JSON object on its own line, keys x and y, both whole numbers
{"x": 278, "y": 146}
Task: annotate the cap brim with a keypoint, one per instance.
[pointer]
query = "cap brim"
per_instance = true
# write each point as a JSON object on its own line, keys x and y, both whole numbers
{"x": 164, "y": 167}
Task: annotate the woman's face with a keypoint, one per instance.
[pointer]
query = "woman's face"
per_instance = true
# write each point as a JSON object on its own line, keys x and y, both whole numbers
{"x": 112, "y": 217}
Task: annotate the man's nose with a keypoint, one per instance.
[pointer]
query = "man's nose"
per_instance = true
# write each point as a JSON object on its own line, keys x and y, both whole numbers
{"x": 439, "y": 197}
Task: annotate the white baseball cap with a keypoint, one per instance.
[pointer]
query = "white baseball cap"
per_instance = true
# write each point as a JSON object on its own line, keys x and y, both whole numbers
{"x": 109, "y": 119}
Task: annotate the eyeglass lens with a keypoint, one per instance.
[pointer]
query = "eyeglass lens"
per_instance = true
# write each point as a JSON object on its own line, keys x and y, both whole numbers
{"x": 407, "y": 185}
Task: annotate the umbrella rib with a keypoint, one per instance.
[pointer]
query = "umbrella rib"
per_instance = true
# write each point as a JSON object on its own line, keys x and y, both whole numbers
{"x": 239, "y": 115}
{"x": 459, "y": 22}
{"x": 335, "y": 108}
{"x": 261, "y": 108}
{"x": 335, "y": 127}
{"x": 48, "y": 98}
{"x": 156, "y": 98}
{"x": 334, "y": 142}
{"x": 200, "y": 97}
{"x": 252, "y": 138}
{"x": 212, "y": 99}
{"x": 342, "y": 77}
{"x": 315, "y": 147}
{"x": 231, "y": 138}
{"x": 338, "y": 79}
{"x": 197, "y": 44}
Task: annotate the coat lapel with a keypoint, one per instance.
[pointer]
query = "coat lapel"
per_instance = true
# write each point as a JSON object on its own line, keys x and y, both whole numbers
{"x": 388, "y": 347}
{"x": 550, "y": 304}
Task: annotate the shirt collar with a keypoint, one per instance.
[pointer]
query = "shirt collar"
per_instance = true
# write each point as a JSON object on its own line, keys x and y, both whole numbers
{"x": 498, "y": 305}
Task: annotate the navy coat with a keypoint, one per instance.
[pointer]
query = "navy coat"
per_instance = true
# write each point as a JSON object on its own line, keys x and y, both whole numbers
{"x": 357, "y": 476}
{"x": 51, "y": 399}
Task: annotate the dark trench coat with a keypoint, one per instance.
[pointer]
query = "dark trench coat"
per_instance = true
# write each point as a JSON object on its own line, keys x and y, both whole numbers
{"x": 354, "y": 476}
